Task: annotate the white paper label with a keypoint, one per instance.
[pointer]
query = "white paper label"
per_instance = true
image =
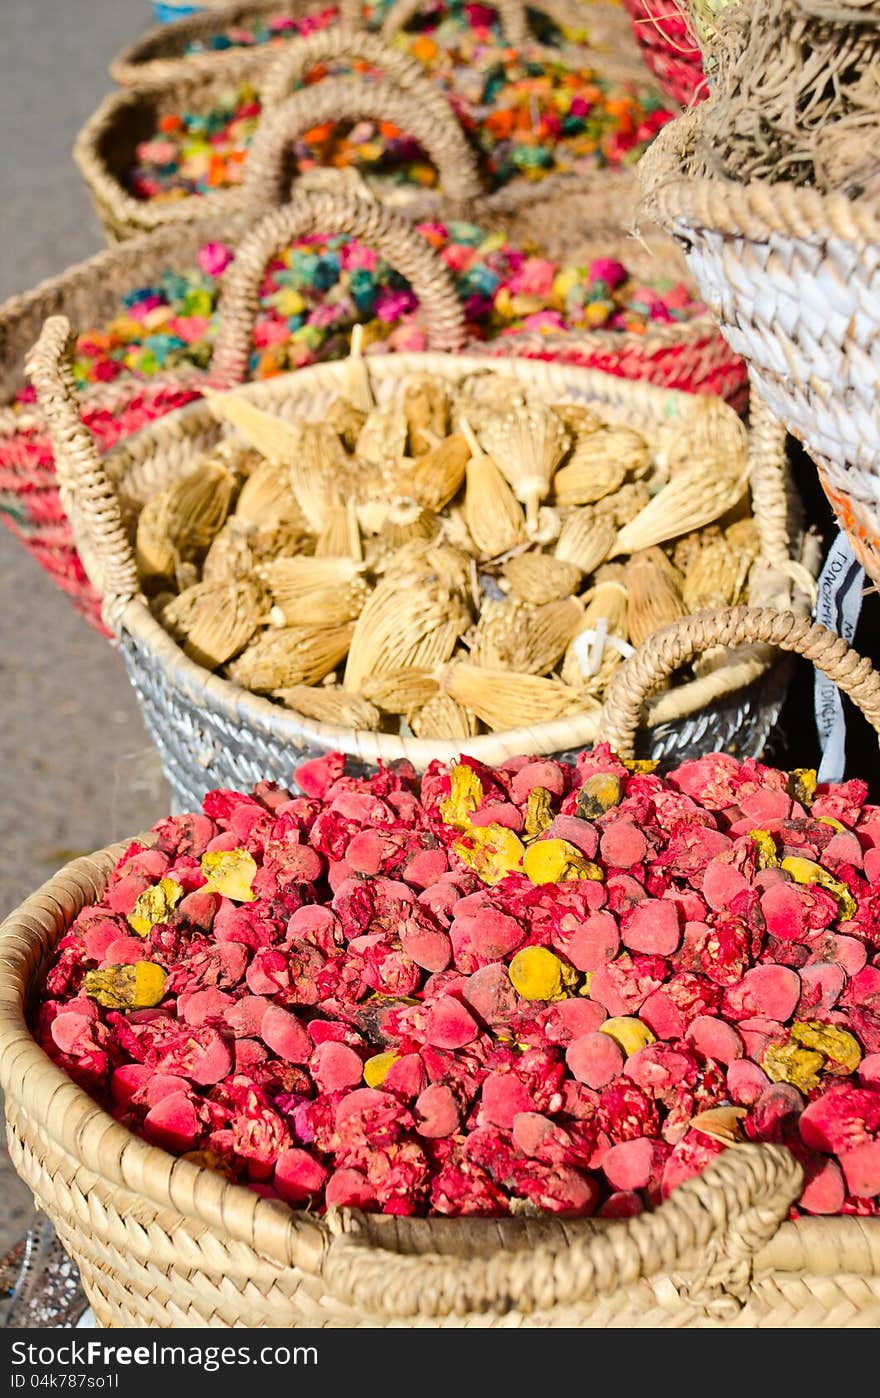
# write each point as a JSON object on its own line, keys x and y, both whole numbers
{"x": 840, "y": 602}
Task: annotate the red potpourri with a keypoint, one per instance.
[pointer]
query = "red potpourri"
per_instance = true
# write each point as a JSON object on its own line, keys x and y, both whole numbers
{"x": 491, "y": 991}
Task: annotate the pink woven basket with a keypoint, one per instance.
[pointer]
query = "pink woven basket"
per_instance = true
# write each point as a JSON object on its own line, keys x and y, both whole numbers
{"x": 668, "y": 49}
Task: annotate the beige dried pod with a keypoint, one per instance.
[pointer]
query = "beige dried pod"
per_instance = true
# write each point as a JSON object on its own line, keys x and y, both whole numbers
{"x": 707, "y": 432}
{"x": 266, "y": 499}
{"x": 502, "y": 699}
{"x": 586, "y": 538}
{"x": 443, "y": 720}
{"x": 494, "y": 520}
{"x": 426, "y": 408}
{"x": 404, "y": 625}
{"x": 512, "y": 636}
{"x": 589, "y": 473}
{"x": 266, "y": 432}
{"x": 382, "y": 439}
{"x": 214, "y": 620}
{"x": 625, "y": 503}
{"x": 435, "y": 477}
{"x": 341, "y": 535}
{"x": 400, "y": 691}
{"x": 178, "y": 524}
{"x": 320, "y": 475}
{"x": 432, "y": 562}
{"x": 356, "y": 387}
{"x": 653, "y": 594}
{"x": 343, "y": 418}
{"x": 577, "y": 419}
{"x": 484, "y": 395}
{"x": 313, "y": 590}
{"x": 290, "y": 656}
{"x": 697, "y": 495}
{"x": 715, "y": 576}
{"x": 744, "y": 537}
{"x": 689, "y": 547}
{"x": 231, "y": 554}
{"x": 590, "y": 660}
{"x": 539, "y": 577}
{"x": 527, "y": 445}
{"x": 408, "y": 522}
{"x": 325, "y": 704}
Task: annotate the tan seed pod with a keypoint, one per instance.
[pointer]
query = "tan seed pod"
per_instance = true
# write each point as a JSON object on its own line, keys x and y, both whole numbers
{"x": 443, "y": 720}
{"x": 539, "y": 577}
{"x": 527, "y": 446}
{"x": 319, "y": 475}
{"x": 715, "y": 577}
{"x": 230, "y": 555}
{"x": 485, "y": 395}
{"x": 414, "y": 626}
{"x": 292, "y": 656}
{"x": 744, "y": 537}
{"x": 547, "y": 632}
{"x": 356, "y": 376}
{"x": 586, "y": 477}
{"x": 432, "y": 562}
{"x": 425, "y": 407}
{"x": 625, "y": 503}
{"x": 330, "y": 705}
{"x": 314, "y": 590}
{"x": 343, "y": 418}
{"x": 382, "y": 439}
{"x": 266, "y": 499}
{"x": 341, "y": 535}
{"x": 516, "y": 637}
{"x": 577, "y": 419}
{"x": 435, "y": 477}
{"x": 178, "y": 524}
{"x": 653, "y": 594}
{"x": 689, "y": 547}
{"x": 502, "y": 699}
{"x": 214, "y": 620}
{"x": 494, "y": 520}
{"x": 495, "y": 641}
{"x": 401, "y": 691}
{"x": 694, "y": 497}
{"x": 586, "y": 538}
{"x": 708, "y": 432}
{"x": 407, "y": 522}
{"x": 605, "y": 614}
{"x": 266, "y": 432}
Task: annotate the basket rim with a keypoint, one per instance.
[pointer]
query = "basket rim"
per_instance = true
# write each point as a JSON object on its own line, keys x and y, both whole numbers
{"x": 227, "y": 700}
{"x": 755, "y": 210}
{"x": 289, "y": 1237}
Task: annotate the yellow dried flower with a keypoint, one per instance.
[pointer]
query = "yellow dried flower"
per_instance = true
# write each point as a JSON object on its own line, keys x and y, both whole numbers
{"x": 230, "y": 872}
{"x": 556, "y": 861}
{"x": 377, "y": 1068}
{"x": 537, "y": 974}
{"x": 137, "y": 986}
{"x": 791, "y": 1063}
{"x": 464, "y": 797}
{"x": 154, "y": 905}
{"x": 766, "y": 849}
{"x": 539, "y": 812}
{"x": 835, "y": 1044}
{"x": 629, "y": 1032}
{"x": 808, "y": 871}
{"x": 492, "y": 851}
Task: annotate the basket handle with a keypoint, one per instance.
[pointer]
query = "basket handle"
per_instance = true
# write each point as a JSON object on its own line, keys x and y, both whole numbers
{"x": 392, "y": 236}
{"x": 722, "y": 1218}
{"x": 661, "y": 655}
{"x": 403, "y": 96}
{"x": 88, "y": 495}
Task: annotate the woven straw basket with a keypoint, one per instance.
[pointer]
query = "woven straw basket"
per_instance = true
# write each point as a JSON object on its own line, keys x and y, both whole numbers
{"x": 161, "y": 52}
{"x": 88, "y": 293}
{"x": 163, "y": 1242}
{"x": 405, "y": 95}
{"x": 794, "y": 279}
{"x": 668, "y": 48}
{"x": 212, "y": 733}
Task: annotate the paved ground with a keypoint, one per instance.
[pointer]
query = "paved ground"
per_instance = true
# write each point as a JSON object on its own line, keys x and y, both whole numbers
{"x": 76, "y": 770}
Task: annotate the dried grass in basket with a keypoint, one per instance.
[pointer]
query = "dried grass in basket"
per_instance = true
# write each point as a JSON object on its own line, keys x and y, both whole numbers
{"x": 163, "y": 1242}
{"x": 793, "y": 277}
{"x": 237, "y": 737}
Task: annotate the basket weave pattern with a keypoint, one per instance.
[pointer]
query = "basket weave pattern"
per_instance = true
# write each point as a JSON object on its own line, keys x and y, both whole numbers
{"x": 794, "y": 279}
{"x": 163, "y": 1242}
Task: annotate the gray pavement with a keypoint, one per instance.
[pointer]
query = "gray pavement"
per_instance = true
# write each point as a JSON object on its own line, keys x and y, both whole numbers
{"x": 76, "y": 768}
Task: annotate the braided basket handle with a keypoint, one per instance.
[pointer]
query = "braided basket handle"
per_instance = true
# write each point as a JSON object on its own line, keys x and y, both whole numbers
{"x": 388, "y": 234}
{"x": 403, "y": 96}
{"x": 88, "y": 495}
{"x": 661, "y": 655}
{"x": 721, "y": 1218}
